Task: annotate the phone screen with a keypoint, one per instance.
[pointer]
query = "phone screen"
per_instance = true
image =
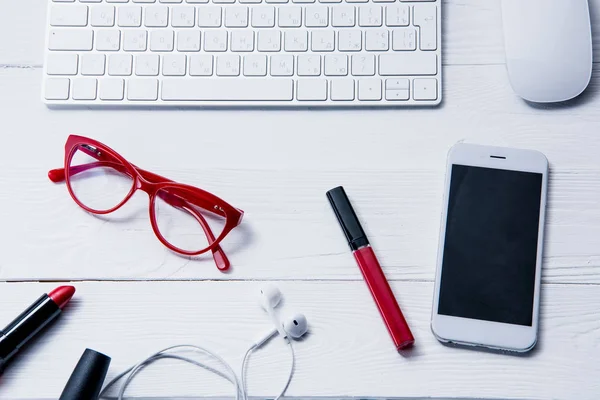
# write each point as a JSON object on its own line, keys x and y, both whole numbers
{"x": 490, "y": 248}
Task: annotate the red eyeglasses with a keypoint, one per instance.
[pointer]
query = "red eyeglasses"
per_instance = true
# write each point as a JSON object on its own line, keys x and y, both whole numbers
{"x": 186, "y": 219}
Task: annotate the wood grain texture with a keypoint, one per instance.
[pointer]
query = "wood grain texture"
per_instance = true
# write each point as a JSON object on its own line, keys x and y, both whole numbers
{"x": 391, "y": 162}
{"x": 472, "y": 32}
{"x": 277, "y": 165}
{"x": 347, "y": 353}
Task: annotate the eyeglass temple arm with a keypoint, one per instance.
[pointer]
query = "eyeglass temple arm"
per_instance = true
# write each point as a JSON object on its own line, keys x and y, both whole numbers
{"x": 218, "y": 254}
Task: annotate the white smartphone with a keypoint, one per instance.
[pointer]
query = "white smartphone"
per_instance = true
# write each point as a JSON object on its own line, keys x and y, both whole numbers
{"x": 487, "y": 287}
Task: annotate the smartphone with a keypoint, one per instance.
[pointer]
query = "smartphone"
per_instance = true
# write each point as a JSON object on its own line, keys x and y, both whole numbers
{"x": 487, "y": 287}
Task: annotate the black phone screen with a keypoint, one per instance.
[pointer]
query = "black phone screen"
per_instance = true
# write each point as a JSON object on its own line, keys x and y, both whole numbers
{"x": 490, "y": 247}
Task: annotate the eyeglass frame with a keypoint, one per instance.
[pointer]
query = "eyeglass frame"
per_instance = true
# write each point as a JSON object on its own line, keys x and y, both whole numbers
{"x": 152, "y": 183}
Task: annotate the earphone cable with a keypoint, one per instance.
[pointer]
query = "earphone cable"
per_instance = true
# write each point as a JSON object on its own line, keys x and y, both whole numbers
{"x": 289, "y": 378}
{"x": 135, "y": 369}
{"x": 229, "y": 374}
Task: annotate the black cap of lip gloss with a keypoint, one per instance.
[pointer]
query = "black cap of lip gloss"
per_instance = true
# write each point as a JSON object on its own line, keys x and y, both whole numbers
{"x": 88, "y": 377}
{"x": 347, "y": 218}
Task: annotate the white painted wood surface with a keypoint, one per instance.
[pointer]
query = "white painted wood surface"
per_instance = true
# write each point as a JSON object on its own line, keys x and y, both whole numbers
{"x": 277, "y": 165}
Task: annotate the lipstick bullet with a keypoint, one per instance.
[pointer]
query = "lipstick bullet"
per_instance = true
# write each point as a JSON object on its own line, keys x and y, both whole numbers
{"x": 31, "y": 321}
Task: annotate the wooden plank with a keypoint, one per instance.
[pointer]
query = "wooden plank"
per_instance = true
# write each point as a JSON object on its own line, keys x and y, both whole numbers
{"x": 347, "y": 353}
{"x": 278, "y": 172}
{"x": 472, "y": 32}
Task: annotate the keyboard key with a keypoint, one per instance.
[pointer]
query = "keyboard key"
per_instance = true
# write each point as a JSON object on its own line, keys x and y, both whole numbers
{"x": 111, "y": 89}
{"x": 356, "y": 1}
{"x": 426, "y": 19}
{"x": 142, "y": 89}
{"x": 369, "y": 89}
{"x": 215, "y": 40}
{"x": 228, "y": 65}
{"x": 174, "y": 65}
{"x": 61, "y": 64}
{"x": 147, "y": 64}
{"x": 209, "y": 17}
{"x": 236, "y": 17}
{"x": 201, "y": 65}
{"x": 296, "y": 41}
{"x": 404, "y": 39}
{"x": 183, "y": 17}
{"x": 309, "y": 65}
{"x": 68, "y": 15}
{"x": 170, "y": 1}
{"x": 57, "y": 89}
{"x": 343, "y": 16}
{"x": 103, "y": 16}
{"x": 290, "y": 17}
{"x": 397, "y": 89}
{"x": 93, "y": 64}
{"x": 255, "y": 65}
{"x": 397, "y": 15}
{"x": 342, "y": 89}
{"x": 250, "y": 1}
{"x": 311, "y": 89}
{"x": 303, "y": 1}
{"x": 108, "y": 40}
{"x": 227, "y": 89}
{"x": 317, "y": 16}
{"x": 322, "y": 40}
{"x": 117, "y": 1}
{"x": 138, "y": 1}
{"x": 242, "y": 40}
{"x": 425, "y": 89}
{"x": 276, "y": 1}
{"x": 377, "y": 40}
{"x": 161, "y": 40}
{"x": 119, "y": 64}
{"x": 408, "y": 64}
{"x": 196, "y": 1}
{"x": 263, "y": 17}
{"x": 84, "y": 89}
{"x": 336, "y": 65}
{"x": 69, "y": 39}
{"x": 156, "y": 16}
{"x": 188, "y": 40}
{"x": 350, "y": 40}
{"x": 370, "y": 15}
{"x": 269, "y": 40}
{"x": 282, "y": 65}
{"x": 363, "y": 65}
{"x": 130, "y": 16}
{"x": 134, "y": 40}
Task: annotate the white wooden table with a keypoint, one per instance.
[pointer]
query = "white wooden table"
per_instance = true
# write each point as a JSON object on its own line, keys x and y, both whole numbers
{"x": 134, "y": 297}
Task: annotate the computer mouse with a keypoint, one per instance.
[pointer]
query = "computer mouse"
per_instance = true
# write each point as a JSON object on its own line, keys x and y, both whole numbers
{"x": 548, "y": 47}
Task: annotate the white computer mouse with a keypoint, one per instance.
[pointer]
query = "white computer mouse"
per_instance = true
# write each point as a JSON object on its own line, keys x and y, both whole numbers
{"x": 548, "y": 47}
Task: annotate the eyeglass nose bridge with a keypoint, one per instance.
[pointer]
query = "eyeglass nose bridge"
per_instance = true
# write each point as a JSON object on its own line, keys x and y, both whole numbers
{"x": 146, "y": 186}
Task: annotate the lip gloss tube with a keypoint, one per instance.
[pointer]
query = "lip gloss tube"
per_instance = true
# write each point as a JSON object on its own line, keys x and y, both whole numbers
{"x": 370, "y": 268}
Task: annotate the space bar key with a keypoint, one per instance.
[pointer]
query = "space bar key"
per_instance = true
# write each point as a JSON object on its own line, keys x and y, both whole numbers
{"x": 227, "y": 89}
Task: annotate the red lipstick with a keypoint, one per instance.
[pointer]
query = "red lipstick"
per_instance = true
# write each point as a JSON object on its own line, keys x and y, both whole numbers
{"x": 31, "y": 321}
{"x": 370, "y": 268}
{"x": 61, "y": 295}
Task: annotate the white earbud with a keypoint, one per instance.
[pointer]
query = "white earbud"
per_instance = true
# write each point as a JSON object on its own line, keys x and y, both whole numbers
{"x": 294, "y": 326}
{"x": 270, "y": 297}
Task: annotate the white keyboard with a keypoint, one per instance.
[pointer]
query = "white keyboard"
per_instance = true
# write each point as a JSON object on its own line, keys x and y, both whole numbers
{"x": 243, "y": 52}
